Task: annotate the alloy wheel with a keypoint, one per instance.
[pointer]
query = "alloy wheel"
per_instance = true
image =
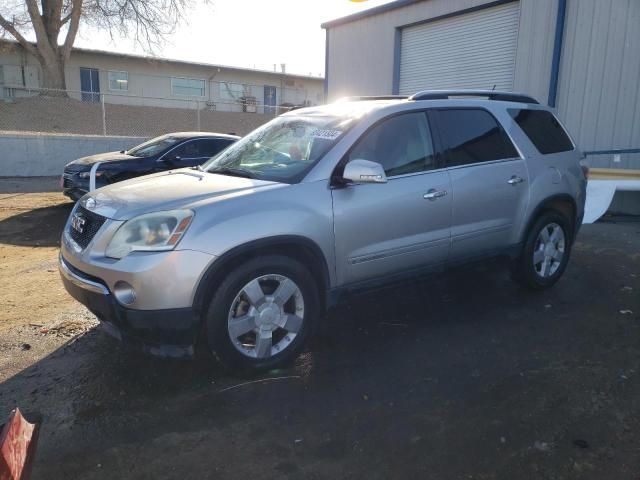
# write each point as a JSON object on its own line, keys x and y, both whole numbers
{"x": 549, "y": 250}
{"x": 265, "y": 316}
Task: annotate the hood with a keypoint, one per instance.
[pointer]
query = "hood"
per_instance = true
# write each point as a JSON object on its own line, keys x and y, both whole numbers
{"x": 102, "y": 157}
{"x": 167, "y": 191}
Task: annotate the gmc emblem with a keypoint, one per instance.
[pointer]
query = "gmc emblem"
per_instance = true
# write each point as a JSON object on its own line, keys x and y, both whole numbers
{"x": 77, "y": 223}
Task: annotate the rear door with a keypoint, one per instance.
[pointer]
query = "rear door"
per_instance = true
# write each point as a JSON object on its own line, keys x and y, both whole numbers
{"x": 489, "y": 180}
{"x": 401, "y": 225}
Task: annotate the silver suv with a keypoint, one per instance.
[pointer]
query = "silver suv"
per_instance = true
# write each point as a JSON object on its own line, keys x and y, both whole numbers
{"x": 246, "y": 252}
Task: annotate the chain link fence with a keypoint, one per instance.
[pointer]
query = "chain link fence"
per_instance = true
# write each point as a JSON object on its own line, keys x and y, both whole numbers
{"x": 113, "y": 114}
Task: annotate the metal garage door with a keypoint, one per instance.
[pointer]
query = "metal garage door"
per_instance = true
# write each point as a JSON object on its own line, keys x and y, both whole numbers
{"x": 473, "y": 50}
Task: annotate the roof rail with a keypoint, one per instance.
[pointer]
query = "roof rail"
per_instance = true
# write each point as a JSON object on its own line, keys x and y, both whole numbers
{"x": 359, "y": 98}
{"x": 490, "y": 94}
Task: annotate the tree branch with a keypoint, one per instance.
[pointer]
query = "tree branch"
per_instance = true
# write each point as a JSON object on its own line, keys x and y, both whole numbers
{"x": 76, "y": 12}
{"x": 36, "y": 21}
{"x": 8, "y": 26}
{"x": 65, "y": 20}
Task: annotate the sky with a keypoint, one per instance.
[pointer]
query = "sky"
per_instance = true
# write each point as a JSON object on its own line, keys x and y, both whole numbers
{"x": 246, "y": 33}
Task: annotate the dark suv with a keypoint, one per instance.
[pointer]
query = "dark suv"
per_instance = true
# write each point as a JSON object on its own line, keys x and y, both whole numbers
{"x": 170, "y": 151}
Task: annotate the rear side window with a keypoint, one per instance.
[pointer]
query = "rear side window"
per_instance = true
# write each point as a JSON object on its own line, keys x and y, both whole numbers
{"x": 200, "y": 149}
{"x": 213, "y": 146}
{"x": 544, "y": 131}
{"x": 473, "y": 136}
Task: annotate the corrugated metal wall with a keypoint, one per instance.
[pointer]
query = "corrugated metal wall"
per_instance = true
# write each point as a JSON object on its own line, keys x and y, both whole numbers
{"x": 361, "y": 52}
{"x": 535, "y": 47}
{"x": 599, "y": 91}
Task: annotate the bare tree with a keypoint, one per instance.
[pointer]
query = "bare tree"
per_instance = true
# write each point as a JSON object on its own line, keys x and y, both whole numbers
{"x": 55, "y": 24}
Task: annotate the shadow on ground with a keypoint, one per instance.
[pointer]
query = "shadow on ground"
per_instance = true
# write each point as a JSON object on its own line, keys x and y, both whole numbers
{"x": 462, "y": 376}
{"x": 40, "y": 227}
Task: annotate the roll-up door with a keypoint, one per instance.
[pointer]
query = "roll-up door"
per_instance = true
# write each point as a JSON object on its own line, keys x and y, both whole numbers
{"x": 472, "y": 50}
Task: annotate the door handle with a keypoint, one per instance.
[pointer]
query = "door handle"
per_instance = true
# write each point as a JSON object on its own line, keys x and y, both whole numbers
{"x": 514, "y": 180}
{"x": 434, "y": 194}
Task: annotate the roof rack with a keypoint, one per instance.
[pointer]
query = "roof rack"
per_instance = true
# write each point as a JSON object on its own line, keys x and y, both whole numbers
{"x": 490, "y": 94}
{"x": 373, "y": 97}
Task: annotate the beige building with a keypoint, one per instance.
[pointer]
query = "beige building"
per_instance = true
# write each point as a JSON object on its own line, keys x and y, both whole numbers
{"x": 95, "y": 75}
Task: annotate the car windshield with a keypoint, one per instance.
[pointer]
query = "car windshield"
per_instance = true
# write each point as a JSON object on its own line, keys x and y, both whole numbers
{"x": 153, "y": 146}
{"x": 283, "y": 150}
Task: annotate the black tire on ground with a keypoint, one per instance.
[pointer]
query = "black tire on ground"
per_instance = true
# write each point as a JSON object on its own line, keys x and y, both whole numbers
{"x": 216, "y": 322}
{"x": 523, "y": 270}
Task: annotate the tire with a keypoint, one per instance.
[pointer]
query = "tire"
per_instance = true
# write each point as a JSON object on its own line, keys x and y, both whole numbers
{"x": 546, "y": 268}
{"x": 236, "y": 307}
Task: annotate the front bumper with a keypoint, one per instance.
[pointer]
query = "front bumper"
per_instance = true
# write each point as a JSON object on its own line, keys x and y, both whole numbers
{"x": 73, "y": 186}
{"x": 74, "y": 194}
{"x": 167, "y": 333}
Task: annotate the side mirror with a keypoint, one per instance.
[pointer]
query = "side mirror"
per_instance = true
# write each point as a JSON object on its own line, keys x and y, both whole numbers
{"x": 364, "y": 171}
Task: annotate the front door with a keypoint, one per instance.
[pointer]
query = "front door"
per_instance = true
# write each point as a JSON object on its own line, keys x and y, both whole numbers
{"x": 401, "y": 225}
{"x": 490, "y": 181}
{"x": 90, "y": 84}
{"x": 269, "y": 99}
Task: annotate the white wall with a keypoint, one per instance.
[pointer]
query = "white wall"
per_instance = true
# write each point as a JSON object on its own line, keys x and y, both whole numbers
{"x": 25, "y": 155}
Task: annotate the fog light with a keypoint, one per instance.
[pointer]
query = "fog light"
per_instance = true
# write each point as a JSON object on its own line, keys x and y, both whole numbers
{"x": 124, "y": 293}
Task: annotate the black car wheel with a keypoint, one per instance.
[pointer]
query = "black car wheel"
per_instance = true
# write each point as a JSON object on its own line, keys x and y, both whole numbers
{"x": 262, "y": 313}
{"x": 545, "y": 253}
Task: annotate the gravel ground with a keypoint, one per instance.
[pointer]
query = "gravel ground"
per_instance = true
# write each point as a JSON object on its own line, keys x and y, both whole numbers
{"x": 463, "y": 376}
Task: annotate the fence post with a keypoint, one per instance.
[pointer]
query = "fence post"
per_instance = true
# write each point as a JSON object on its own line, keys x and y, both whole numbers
{"x": 104, "y": 116}
{"x": 198, "y": 114}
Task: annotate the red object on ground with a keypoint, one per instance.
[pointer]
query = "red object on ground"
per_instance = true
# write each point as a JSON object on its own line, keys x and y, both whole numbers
{"x": 18, "y": 440}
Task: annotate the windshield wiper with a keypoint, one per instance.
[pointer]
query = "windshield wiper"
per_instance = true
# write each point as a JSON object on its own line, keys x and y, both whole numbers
{"x": 235, "y": 172}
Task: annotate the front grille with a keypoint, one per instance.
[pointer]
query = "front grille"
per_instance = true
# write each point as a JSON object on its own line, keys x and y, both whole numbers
{"x": 67, "y": 181}
{"x": 91, "y": 225}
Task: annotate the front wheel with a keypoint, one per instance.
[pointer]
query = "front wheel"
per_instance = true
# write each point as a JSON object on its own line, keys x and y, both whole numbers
{"x": 262, "y": 313}
{"x": 545, "y": 253}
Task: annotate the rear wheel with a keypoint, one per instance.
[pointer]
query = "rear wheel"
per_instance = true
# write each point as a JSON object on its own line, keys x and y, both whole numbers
{"x": 262, "y": 313}
{"x": 545, "y": 253}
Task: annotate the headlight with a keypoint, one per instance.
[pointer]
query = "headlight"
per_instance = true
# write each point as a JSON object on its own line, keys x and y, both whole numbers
{"x": 151, "y": 232}
{"x": 88, "y": 174}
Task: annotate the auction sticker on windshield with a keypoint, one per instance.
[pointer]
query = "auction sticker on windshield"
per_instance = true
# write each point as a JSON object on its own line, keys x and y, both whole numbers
{"x": 326, "y": 134}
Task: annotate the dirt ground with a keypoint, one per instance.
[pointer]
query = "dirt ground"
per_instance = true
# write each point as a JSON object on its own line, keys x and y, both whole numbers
{"x": 462, "y": 376}
{"x": 36, "y": 314}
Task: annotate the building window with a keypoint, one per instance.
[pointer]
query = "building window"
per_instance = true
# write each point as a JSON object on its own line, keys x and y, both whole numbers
{"x": 12, "y": 75}
{"x": 118, "y": 80}
{"x": 231, "y": 91}
{"x": 187, "y": 87}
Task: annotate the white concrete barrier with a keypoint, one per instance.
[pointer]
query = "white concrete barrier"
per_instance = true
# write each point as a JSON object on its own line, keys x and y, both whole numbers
{"x": 602, "y": 185}
{"x": 36, "y": 155}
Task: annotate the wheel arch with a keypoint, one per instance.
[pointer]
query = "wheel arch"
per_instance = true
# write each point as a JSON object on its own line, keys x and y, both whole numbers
{"x": 297, "y": 247}
{"x": 562, "y": 203}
